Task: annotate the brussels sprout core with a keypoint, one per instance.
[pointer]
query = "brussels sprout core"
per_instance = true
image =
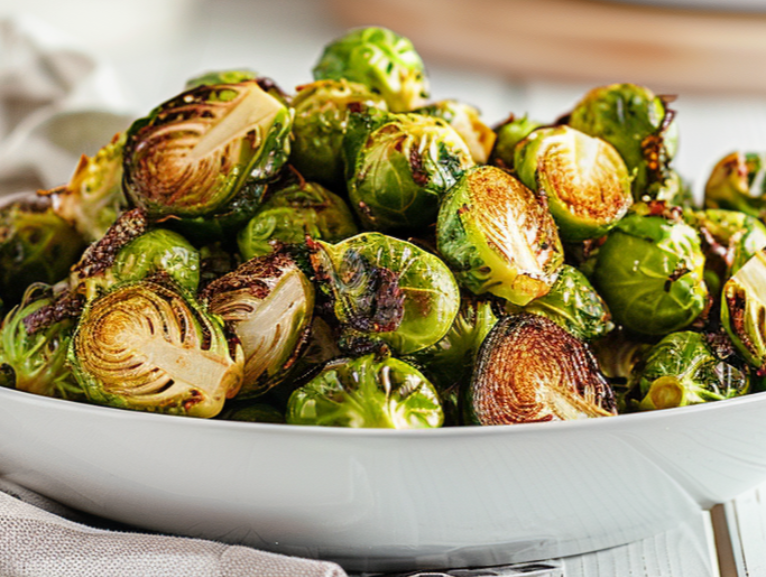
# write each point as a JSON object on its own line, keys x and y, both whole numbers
{"x": 499, "y": 236}
{"x": 530, "y": 369}
{"x": 194, "y": 153}
{"x": 145, "y": 347}
{"x": 584, "y": 178}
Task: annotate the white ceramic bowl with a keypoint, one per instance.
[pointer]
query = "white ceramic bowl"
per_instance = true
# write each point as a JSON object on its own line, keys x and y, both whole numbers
{"x": 383, "y": 499}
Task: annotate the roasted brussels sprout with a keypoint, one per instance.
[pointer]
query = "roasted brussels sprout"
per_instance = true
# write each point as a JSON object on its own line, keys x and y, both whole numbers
{"x": 509, "y": 134}
{"x": 372, "y": 391}
{"x": 584, "y": 179}
{"x": 267, "y": 302}
{"x": 465, "y": 119}
{"x": 675, "y": 191}
{"x": 298, "y": 208}
{"x": 499, "y": 237}
{"x": 382, "y": 289}
{"x": 202, "y": 151}
{"x": 638, "y": 124}
{"x": 574, "y": 305}
{"x": 398, "y": 166}
{"x": 683, "y": 370}
{"x": 743, "y": 310}
{"x": 130, "y": 251}
{"x": 33, "y": 348}
{"x": 233, "y": 76}
{"x": 322, "y": 111}
{"x": 36, "y": 245}
{"x": 380, "y": 59}
{"x": 145, "y": 347}
{"x": 650, "y": 273}
{"x": 738, "y": 182}
{"x": 729, "y": 239}
{"x": 529, "y": 369}
{"x": 93, "y": 199}
{"x": 449, "y": 363}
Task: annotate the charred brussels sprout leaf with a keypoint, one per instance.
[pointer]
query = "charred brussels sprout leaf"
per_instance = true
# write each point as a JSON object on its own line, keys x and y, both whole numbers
{"x": 650, "y": 273}
{"x": 33, "y": 353}
{"x": 509, "y": 134}
{"x": 683, "y": 370}
{"x": 743, "y": 310}
{"x": 130, "y": 251}
{"x": 200, "y": 151}
{"x": 738, "y": 182}
{"x": 383, "y": 289}
{"x": 381, "y": 60}
{"x": 399, "y": 166}
{"x": 297, "y": 209}
{"x": 499, "y": 237}
{"x": 584, "y": 179}
{"x": 267, "y": 302}
{"x": 530, "y": 369}
{"x": 367, "y": 392}
{"x": 574, "y": 305}
{"x": 36, "y": 245}
{"x": 93, "y": 199}
{"x": 465, "y": 119}
{"x": 233, "y": 76}
{"x": 145, "y": 347}
{"x": 322, "y": 111}
{"x": 638, "y": 124}
{"x": 449, "y": 363}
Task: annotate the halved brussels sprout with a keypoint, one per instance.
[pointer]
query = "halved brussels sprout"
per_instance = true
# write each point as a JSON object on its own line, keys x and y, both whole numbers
{"x": 232, "y": 76}
{"x": 36, "y": 245}
{"x": 145, "y": 347}
{"x": 743, "y": 310}
{"x": 466, "y": 120}
{"x": 267, "y": 303}
{"x": 398, "y": 166}
{"x": 380, "y": 59}
{"x": 197, "y": 153}
{"x": 297, "y": 208}
{"x": 650, "y": 272}
{"x": 584, "y": 179}
{"x": 498, "y": 236}
{"x": 638, "y": 124}
{"x": 572, "y": 304}
{"x": 129, "y": 251}
{"x": 322, "y": 111}
{"x": 512, "y": 131}
{"x": 530, "y": 369}
{"x": 93, "y": 199}
{"x": 683, "y": 370}
{"x": 729, "y": 240}
{"x": 33, "y": 350}
{"x": 449, "y": 363}
{"x": 367, "y": 392}
{"x": 738, "y": 182}
{"x": 383, "y": 289}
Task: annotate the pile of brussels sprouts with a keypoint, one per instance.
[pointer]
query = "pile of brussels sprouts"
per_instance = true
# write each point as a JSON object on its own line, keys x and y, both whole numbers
{"x": 354, "y": 256}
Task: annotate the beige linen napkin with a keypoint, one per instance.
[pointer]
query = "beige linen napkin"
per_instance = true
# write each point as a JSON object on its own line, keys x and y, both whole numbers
{"x": 36, "y": 540}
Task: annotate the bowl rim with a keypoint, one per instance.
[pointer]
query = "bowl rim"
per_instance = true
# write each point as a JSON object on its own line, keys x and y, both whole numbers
{"x": 553, "y": 427}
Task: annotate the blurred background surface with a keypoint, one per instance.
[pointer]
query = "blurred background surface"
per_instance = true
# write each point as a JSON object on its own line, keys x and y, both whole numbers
{"x": 521, "y": 56}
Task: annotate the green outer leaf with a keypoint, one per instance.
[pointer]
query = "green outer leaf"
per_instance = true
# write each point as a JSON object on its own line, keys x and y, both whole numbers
{"x": 650, "y": 273}
{"x": 372, "y": 274}
{"x": 682, "y": 370}
{"x": 367, "y": 392}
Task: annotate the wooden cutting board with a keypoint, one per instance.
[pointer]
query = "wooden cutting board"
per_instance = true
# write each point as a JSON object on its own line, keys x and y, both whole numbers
{"x": 582, "y": 40}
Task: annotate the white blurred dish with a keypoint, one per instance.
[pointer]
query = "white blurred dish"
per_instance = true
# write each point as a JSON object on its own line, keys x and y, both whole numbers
{"x": 384, "y": 499}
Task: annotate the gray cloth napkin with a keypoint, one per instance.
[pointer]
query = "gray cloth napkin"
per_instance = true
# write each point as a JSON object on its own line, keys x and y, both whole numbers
{"x": 40, "y": 538}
